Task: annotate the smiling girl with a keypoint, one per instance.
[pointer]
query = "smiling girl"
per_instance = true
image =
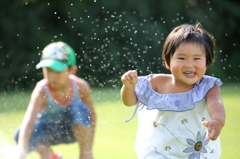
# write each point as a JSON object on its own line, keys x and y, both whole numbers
{"x": 180, "y": 115}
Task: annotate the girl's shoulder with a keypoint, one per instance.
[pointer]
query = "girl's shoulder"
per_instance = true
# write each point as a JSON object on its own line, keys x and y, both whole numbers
{"x": 159, "y": 82}
{"x": 156, "y": 77}
{"x": 208, "y": 82}
{"x": 160, "y": 77}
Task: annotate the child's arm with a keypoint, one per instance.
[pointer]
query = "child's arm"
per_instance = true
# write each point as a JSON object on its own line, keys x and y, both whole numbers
{"x": 216, "y": 112}
{"x": 87, "y": 99}
{"x": 129, "y": 80}
{"x": 36, "y": 102}
{"x": 85, "y": 136}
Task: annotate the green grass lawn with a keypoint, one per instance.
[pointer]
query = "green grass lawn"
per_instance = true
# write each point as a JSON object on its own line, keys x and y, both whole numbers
{"x": 115, "y": 139}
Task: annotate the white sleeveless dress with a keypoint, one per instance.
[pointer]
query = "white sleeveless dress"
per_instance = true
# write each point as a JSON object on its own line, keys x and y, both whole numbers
{"x": 170, "y": 125}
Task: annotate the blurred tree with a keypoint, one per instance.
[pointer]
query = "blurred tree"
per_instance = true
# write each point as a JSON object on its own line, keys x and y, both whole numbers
{"x": 110, "y": 37}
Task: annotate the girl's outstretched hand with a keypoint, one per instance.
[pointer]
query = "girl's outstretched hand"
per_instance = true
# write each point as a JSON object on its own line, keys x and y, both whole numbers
{"x": 130, "y": 78}
{"x": 213, "y": 129}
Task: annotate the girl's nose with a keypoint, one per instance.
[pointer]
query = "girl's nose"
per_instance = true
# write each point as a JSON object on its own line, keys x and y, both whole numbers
{"x": 188, "y": 64}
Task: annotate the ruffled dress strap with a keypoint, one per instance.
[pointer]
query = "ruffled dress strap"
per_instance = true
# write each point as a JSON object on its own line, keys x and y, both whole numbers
{"x": 139, "y": 105}
{"x": 177, "y": 102}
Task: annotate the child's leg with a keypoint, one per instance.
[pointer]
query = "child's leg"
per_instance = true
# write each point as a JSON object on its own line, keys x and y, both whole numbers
{"x": 84, "y": 137}
{"x": 36, "y": 138}
{"x": 83, "y": 129}
{"x": 46, "y": 134}
{"x": 45, "y": 152}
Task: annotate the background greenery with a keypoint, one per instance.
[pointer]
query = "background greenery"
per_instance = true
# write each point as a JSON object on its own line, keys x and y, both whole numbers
{"x": 110, "y": 37}
{"x": 115, "y": 139}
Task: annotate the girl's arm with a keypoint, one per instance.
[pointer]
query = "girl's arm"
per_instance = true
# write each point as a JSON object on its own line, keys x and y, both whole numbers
{"x": 216, "y": 112}
{"x": 129, "y": 80}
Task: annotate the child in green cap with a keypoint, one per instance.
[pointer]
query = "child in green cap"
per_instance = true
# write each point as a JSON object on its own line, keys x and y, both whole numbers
{"x": 60, "y": 110}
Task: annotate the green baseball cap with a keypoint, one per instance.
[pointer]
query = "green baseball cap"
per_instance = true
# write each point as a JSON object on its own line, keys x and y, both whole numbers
{"x": 57, "y": 56}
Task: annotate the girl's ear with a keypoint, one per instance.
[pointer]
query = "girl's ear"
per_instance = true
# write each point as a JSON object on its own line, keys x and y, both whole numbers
{"x": 166, "y": 65}
{"x": 73, "y": 69}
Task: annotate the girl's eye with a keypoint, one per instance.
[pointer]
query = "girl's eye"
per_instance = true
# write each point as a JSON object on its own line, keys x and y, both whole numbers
{"x": 196, "y": 58}
{"x": 181, "y": 58}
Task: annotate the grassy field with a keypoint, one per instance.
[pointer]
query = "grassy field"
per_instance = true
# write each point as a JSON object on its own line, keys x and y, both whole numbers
{"x": 115, "y": 139}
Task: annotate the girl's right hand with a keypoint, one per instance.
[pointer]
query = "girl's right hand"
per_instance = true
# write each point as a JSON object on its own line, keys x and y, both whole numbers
{"x": 130, "y": 78}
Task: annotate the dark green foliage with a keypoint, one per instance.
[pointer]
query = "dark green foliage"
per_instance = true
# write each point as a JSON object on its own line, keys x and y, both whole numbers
{"x": 110, "y": 37}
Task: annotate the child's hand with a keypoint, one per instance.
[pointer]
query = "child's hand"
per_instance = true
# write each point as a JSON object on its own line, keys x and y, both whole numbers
{"x": 130, "y": 78}
{"x": 20, "y": 153}
{"x": 213, "y": 129}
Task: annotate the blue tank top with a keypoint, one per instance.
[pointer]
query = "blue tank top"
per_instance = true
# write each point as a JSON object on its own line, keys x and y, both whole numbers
{"x": 54, "y": 112}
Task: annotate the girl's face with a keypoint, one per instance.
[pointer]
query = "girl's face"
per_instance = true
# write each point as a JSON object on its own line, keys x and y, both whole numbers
{"x": 56, "y": 79}
{"x": 188, "y": 64}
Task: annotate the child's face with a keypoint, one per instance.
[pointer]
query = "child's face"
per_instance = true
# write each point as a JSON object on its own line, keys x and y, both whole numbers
{"x": 55, "y": 79}
{"x": 188, "y": 63}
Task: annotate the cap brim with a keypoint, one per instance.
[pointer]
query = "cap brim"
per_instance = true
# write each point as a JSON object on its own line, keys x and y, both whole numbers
{"x": 53, "y": 64}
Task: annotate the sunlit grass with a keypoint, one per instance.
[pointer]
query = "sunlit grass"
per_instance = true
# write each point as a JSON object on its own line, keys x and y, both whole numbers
{"x": 230, "y": 136}
{"x": 115, "y": 139}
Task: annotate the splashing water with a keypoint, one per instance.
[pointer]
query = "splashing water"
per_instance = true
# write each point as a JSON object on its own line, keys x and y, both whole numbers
{"x": 7, "y": 151}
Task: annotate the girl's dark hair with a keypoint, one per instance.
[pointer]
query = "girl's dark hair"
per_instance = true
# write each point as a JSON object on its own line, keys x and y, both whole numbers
{"x": 188, "y": 33}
